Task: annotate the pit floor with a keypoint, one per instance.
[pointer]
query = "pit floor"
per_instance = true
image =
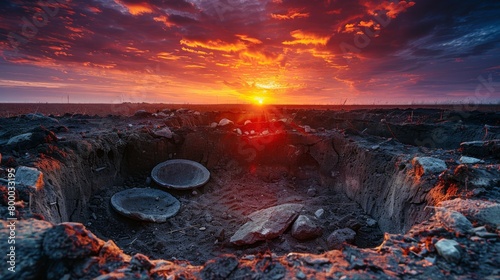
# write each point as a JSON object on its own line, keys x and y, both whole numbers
{"x": 210, "y": 215}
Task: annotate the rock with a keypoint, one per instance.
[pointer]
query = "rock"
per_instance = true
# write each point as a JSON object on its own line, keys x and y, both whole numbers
{"x": 266, "y": 224}
{"x": 247, "y": 122}
{"x": 337, "y": 238}
{"x": 428, "y": 165}
{"x": 214, "y": 125}
{"x": 30, "y": 178}
{"x": 311, "y": 192}
{"x": 300, "y": 275}
{"x": 481, "y": 149}
{"x": 20, "y": 138}
{"x": 141, "y": 261}
{"x": 219, "y": 268}
{"x": 483, "y": 211}
{"x": 161, "y": 115}
{"x": 487, "y": 235}
{"x": 319, "y": 213}
{"x": 304, "y": 228}
{"x": 448, "y": 250}
{"x": 225, "y": 122}
{"x": 370, "y": 222}
{"x": 70, "y": 241}
{"x": 307, "y": 129}
{"x": 238, "y": 131}
{"x": 164, "y": 132}
{"x": 469, "y": 160}
{"x": 142, "y": 114}
{"x": 29, "y": 259}
{"x": 265, "y": 132}
{"x": 453, "y": 220}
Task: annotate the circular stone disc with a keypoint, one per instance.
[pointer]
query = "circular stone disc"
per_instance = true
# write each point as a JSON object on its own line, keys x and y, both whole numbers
{"x": 143, "y": 204}
{"x": 180, "y": 174}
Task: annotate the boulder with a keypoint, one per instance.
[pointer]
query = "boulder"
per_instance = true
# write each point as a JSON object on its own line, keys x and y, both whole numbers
{"x": 225, "y": 122}
{"x": 266, "y": 224}
{"x": 453, "y": 220}
{"x": 142, "y": 114}
{"x": 30, "y": 178}
{"x": 428, "y": 165}
{"x": 483, "y": 211}
{"x": 447, "y": 249}
{"x": 164, "y": 132}
{"x": 304, "y": 228}
{"x": 337, "y": 238}
{"x": 70, "y": 241}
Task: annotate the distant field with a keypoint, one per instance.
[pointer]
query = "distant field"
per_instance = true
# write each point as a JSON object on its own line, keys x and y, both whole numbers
{"x": 12, "y": 109}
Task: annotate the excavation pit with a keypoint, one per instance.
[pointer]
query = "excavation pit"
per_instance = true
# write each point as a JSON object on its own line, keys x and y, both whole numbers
{"x": 345, "y": 179}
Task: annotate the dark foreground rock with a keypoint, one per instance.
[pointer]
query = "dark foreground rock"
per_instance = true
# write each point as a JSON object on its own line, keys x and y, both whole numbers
{"x": 429, "y": 251}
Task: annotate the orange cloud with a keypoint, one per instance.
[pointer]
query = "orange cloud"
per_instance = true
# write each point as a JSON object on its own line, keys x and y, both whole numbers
{"x": 306, "y": 39}
{"x": 167, "y": 56}
{"x": 216, "y": 45}
{"x": 136, "y": 9}
{"x": 292, "y": 14}
{"x": 249, "y": 39}
{"x": 392, "y": 8}
{"x": 165, "y": 21}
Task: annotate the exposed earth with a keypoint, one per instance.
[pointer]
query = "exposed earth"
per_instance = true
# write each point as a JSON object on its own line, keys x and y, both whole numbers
{"x": 371, "y": 193}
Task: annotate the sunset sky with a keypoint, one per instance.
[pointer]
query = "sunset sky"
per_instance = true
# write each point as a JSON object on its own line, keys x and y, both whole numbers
{"x": 241, "y": 51}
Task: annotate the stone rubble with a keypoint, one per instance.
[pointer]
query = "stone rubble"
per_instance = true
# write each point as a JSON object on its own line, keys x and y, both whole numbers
{"x": 304, "y": 228}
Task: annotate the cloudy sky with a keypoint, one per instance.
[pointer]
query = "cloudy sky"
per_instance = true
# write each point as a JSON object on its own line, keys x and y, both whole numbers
{"x": 227, "y": 51}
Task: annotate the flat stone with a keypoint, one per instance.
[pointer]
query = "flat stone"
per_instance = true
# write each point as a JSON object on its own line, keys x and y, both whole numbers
{"x": 266, "y": 224}
{"x": 30, "y": 178}
{"x": 453, "y": 220}
{"x": 304, "y": 228}
{"x": 428, "y": 165}
{"x": 338, "y": 237}
{"x": 447, "y": 249}
{"x": 143, "y": 204}
{"x": 180, "y": 174}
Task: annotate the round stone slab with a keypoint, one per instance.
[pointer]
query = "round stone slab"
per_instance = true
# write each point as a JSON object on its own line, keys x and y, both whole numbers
{"x": 143, "y": 204}
{"x": 180, "y": 174}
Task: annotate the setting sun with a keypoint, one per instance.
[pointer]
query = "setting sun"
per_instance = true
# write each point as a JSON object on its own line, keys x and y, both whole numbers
{"x": 259, "y": 100}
